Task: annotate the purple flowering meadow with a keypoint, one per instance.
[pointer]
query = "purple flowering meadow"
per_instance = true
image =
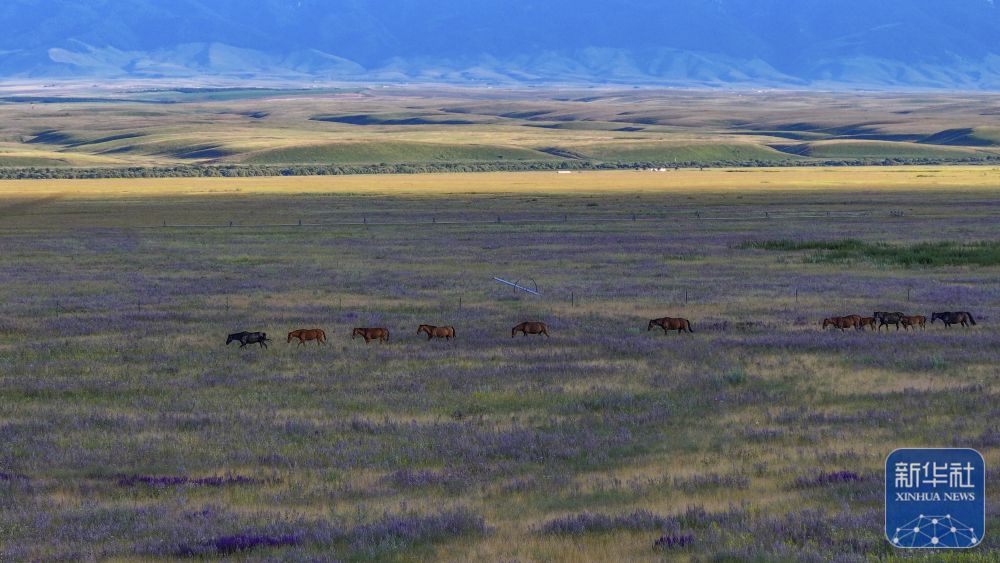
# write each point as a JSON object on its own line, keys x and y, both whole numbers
{"x": 129, "y": 428}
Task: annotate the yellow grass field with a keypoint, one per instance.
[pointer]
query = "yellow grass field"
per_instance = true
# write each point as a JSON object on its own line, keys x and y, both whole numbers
{"x": 854, "y": 179}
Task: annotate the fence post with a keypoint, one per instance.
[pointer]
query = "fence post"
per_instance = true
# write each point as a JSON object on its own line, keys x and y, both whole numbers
{"x": 796, "y": 295}
{"x": 572, "y": 299}
{"x": 460, "y": 302}
{"x": 685, "y": 296}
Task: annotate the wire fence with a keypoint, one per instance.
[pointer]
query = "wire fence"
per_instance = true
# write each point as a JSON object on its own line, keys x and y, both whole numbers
{"x": 375, "y": 221}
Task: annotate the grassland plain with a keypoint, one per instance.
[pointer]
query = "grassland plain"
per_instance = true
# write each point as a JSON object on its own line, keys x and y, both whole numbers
{"x": 130, "y": 432}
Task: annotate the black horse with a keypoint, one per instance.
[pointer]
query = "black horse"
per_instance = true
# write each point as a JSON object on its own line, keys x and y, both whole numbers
{"x": 949, "y": 318}
{"x": 886, "y": 319}
{"x": 245, "y": 338}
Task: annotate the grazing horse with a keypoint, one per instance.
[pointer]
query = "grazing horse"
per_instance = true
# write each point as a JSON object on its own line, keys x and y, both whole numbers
{"x": 949, "y": 318}
{"x": 914, "y": 321}
{"x": 850, "y": 321}
{"x": 530, "y": 327}
{"x": 304, "y": 335}
{"x": 446, "y": 332}
{"x": 670, "y": 323}
{"x": 245, "y": 338}
{"x": 866, "y": 321}
{"x": 886, "y": 319}
{"x": 369, "y": 334}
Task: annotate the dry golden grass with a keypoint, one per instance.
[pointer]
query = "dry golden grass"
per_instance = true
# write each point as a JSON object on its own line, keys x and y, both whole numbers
{"x": 724, "y": 180}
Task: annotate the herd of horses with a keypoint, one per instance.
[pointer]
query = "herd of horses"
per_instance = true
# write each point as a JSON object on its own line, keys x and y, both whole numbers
{"x": 886, "y": 319}
{"x": 381, "y": 334}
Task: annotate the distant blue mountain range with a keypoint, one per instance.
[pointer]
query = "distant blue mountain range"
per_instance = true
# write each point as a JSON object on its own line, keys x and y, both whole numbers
{"x": 952, "y": 44}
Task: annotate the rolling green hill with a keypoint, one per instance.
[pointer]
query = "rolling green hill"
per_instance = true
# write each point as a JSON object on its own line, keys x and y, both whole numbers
{"x": 680, "y": 152}
{"x": 389, "y": 152}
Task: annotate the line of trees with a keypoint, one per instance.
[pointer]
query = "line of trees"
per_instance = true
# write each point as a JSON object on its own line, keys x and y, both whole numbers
{"x": 250, "y": 170}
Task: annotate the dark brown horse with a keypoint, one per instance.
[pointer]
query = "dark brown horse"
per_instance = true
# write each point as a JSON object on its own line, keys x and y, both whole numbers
{"x": 886, "y": 318}
{"x": 245, "y": 338}
{"x": 369, "y": 334}
{"x": 850, "y": 321}
{"x": 306, "y": 334}
{"x": 530, "y": 327}
{"x": 670, "y": 323}
{"x": 913, "y": 321}
{"x": 866, "y": 321}
{"x": 446, "y": 332}
{"x": 963, "y": 318}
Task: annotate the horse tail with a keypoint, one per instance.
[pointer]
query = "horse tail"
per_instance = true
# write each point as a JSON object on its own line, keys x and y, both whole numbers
{"x": 689, "y": 326}
{"x": 453, "y": 333}
{"x": 322, "y": 335}
{"x": 971, "y": 320}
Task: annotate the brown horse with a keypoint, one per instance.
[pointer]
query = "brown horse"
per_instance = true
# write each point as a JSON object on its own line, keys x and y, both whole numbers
{"x": 850, "y": 321}
{"x": 867, "y": 321}
{"x": 914, "y": 321}
{"x": 446, "y": 332}
{"x": 670, "y": 323}
{"x": 369, "y": 334}
{"x": 530, "y": 327}
{"x": 306, "y": 334}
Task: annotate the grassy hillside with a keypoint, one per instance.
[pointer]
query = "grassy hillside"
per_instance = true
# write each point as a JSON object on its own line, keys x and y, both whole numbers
{"x": 975, "y": 137}
{"x": 262, "y": 127}
{"x": 877, "y": 149}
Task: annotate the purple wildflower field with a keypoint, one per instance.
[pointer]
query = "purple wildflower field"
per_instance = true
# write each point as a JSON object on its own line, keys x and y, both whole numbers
{"x": 130, "y": 430}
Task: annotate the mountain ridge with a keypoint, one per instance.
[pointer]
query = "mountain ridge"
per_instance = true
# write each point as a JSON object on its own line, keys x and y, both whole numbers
{"x": 717, "y": 43}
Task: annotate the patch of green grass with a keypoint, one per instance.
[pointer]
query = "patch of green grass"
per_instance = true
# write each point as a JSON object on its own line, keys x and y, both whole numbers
{"x": 944, "y": 253}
